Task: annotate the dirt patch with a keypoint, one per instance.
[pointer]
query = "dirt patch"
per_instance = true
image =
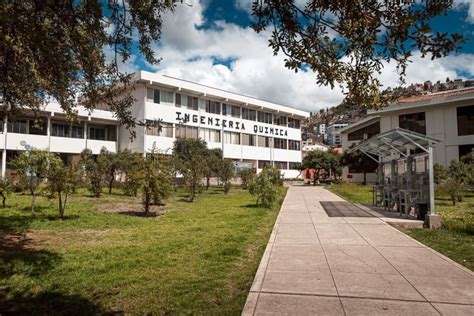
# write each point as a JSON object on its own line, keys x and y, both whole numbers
{"x": 17, "y": 242}
{"x": 131, "y": 209}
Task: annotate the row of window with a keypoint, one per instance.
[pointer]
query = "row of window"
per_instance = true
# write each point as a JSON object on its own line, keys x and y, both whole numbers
{"x": 212, "y": 135}
{"x": 39, "y": 127}
{"x": 214, "y": 107}
{"x": 282, "y": 165}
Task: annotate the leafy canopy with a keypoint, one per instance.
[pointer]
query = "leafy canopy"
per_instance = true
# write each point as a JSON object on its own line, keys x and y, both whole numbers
{"x": 346, "y": 42}
{"x": 62, "y": 49}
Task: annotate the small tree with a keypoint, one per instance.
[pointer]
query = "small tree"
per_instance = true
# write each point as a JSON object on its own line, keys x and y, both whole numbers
{"x": 94, "y": 171}
{"x": 189, "y": 157}
{"x": 263, "y": 189}
{"x": 226, "y": 173}
{"x": 454, "y": 188}
{"x": 246, "y": 177}
{"x": 154, "y": 176}
{"x": 131, "y": 169}
{"x": 31, "y": 167}
{"x": 110, "y": 164}
{"x": 213, "y": 164}
{"x": 6, "y": 187}
{"x": 317, "y": 160}
{"x": 62, "y": 181}
{"x": 359, "y": 161}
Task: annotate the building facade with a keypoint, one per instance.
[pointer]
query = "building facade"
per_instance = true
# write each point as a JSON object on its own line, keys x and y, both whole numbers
{"x": 248, "y": 130}
{"x": 448, "y": 117}
{"x": 333, "y": 133}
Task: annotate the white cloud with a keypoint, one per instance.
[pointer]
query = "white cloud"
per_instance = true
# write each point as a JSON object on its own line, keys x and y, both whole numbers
{"x": 461, "y": 4}
{"x": 194, "y": 53}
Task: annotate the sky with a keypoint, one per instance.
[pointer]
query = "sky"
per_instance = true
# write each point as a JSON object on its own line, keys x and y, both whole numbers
{"x": 210, "y": 42}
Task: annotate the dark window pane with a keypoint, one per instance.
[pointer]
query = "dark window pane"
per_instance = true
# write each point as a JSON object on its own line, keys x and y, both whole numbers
{"x": 414, "y": 122}
{"x": 365, "y": 133}
{"x": 465, "y": 118}
{"x": 156, "y": 96}
{"x": 465, "y": 150}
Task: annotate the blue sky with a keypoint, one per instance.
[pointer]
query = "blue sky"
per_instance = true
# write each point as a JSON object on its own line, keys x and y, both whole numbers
{"x": 210, "y": 42}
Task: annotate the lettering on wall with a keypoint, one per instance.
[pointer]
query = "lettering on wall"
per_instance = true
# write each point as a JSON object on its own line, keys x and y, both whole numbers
{"x": 217, "y": 122}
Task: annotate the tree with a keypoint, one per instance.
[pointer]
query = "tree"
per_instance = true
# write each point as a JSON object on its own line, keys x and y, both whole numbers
{"x": 317, "y": 160}
{"x": 83, "y": 34}
{"x": 189, "y": 156}
{"x": 110, "y": 164}
{"x": 262, "y": 187}
{"x": 226, "y": 173}
{"x": 61, "y": 181}
{"x": 334, "y": 163}
{"x": 154, "y": 176}
{"x": 94, "y": 171}
{"x": 213, "y": 164}
{"x": 246, "y": 177}
{"x": 346, "y": 43}
{"x": 358, "y": 161}
{"x": 31, "y": 167}
{"x": 6, "y": 187}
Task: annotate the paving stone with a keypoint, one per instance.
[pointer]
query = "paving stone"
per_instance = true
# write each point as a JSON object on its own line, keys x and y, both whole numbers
{"x": 297, "y": 258}
{"x": 367, "y": 307}
{"x": 338, "y": 234}
{"x": 278, "y": 304}
{"x": 297, "y": 217}
{"x": 299, "y": 282}
{"x": 386, "y": 286}
{"x": 444, "y": 290}
{"x": 357, "y": 259}
{"x": 454, "y": 309}
{"x": 383, "y": 235}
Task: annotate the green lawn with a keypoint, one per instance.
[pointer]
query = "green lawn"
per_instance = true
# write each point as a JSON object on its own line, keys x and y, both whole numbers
{"x": 455, "y": 239}
{"x": 194, "y": 258}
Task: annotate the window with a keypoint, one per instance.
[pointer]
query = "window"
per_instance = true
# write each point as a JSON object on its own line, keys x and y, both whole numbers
{"x": 414, "y": 122}
{"x": 280, "y": 143}
{"x": 249, "y": 140}
{"x": 248, "y": 114}
{"x": 64, "y": 130}
{"x": 465, "y": 116}
{"x": 38, "y": 126}
{"x": 279, "y": 120}
{"x": 235, "y": 111}
{"x": 367, "y": 167}
{"x": 232, "y": 138}
{"x": 178, "y": 100}
{"x": 18, "y": 126}
{"x": 193, "y": 103}
{"x": 213, "y": 107}
{"x": 465, "y": 150}
{"x": 97, "y": 133}
{"x": 264, "y": 141}
{"x": 166, "y": 97}
{"x": 293, "y": 144}
{"x": 166, "y": 130}
{"x": 293, "y": 165}
{"x": 282, "y": 165}
{"x": 183, "y": 131}
{"x": 365, "y": 132}
{"x": 153, "y": 95}
{"x": 293, "y": 123}
{"x": 264, "y": 117}
{"x": 1, "y": 124}
{"x": 263, "y": 163}
{"x": 210, "y": 135}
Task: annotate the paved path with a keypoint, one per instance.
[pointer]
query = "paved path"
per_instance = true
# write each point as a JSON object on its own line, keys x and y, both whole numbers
{"x": 315, "y": 264}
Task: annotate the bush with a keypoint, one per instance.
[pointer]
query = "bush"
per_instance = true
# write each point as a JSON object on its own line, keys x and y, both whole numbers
{"x": 275, "y": 176}
{"x": 263, "y": 188}
{"x": 246, "y": 177}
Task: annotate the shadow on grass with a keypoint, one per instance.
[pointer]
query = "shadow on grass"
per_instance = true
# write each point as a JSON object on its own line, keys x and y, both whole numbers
{"x": 49, "y": 303}
{"x": 252, "y": 206}
{"x": 139, "y": 214}
{"x": 23, "y": 221}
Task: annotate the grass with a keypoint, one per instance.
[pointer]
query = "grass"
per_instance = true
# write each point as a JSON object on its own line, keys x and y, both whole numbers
{"x": 196, "y": 258}
{"x": 456, "y": 237}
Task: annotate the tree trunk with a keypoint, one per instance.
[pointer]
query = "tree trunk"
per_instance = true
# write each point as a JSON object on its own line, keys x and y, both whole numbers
{"x": 32, "y": 200}
{"x": 61, "y": 210}
{"x": 453, "y": 198}
{"x": 111, "y": 183}
{"x": 4, "y": 197}
{"x": 208, "y": 180}
{"x": 365, "y": 178}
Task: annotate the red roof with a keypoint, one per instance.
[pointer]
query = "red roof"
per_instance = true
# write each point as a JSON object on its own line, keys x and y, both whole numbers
{"x": 436, "y": 95}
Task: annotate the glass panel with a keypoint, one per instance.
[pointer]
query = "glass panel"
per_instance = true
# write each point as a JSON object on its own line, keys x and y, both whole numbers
{"x": 465, "y": 118}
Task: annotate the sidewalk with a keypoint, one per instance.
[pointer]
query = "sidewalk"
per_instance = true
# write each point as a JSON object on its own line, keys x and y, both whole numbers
{"x": 315, "y": 264}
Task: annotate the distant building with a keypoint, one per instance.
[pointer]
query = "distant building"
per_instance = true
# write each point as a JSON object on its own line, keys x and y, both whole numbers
{"x": 334, "y": 134}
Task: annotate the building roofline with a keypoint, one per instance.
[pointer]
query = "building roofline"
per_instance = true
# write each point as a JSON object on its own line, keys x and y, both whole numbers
{"x": 209, "y": 91}
{"x": 365, "y": 120}
{"x": 425, "y": 103}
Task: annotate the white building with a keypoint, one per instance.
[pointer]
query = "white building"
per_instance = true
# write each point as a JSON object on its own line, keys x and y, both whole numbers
{"x": 447, "y": 116}
{"x": 247, "y": 129}
{"x": 334, "y": 135}
{"x": 311, "y": 147}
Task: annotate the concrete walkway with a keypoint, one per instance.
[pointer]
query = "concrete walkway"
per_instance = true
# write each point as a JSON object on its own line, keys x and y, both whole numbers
{"x": 315, "y": 264}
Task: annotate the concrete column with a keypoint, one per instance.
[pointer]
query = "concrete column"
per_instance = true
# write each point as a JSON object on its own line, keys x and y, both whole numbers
{"x": 85, "y": 134}
{"x": 4, "y": 151}
{"x": 431, "y": 180}
{"x": 48, "y": 132}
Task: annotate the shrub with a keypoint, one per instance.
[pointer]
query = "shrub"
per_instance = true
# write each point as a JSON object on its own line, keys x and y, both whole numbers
{"x": 226, "y": 172}
{"x": 6, "y": 187}
{"x": 263, "y": 188}
{"x": 246, "y": 177}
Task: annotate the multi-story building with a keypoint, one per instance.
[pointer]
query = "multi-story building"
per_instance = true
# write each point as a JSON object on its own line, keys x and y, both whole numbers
{"x": 447, "y": 116}
{"x": 334, "y": 135}
{"x": 248, "y": 130}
